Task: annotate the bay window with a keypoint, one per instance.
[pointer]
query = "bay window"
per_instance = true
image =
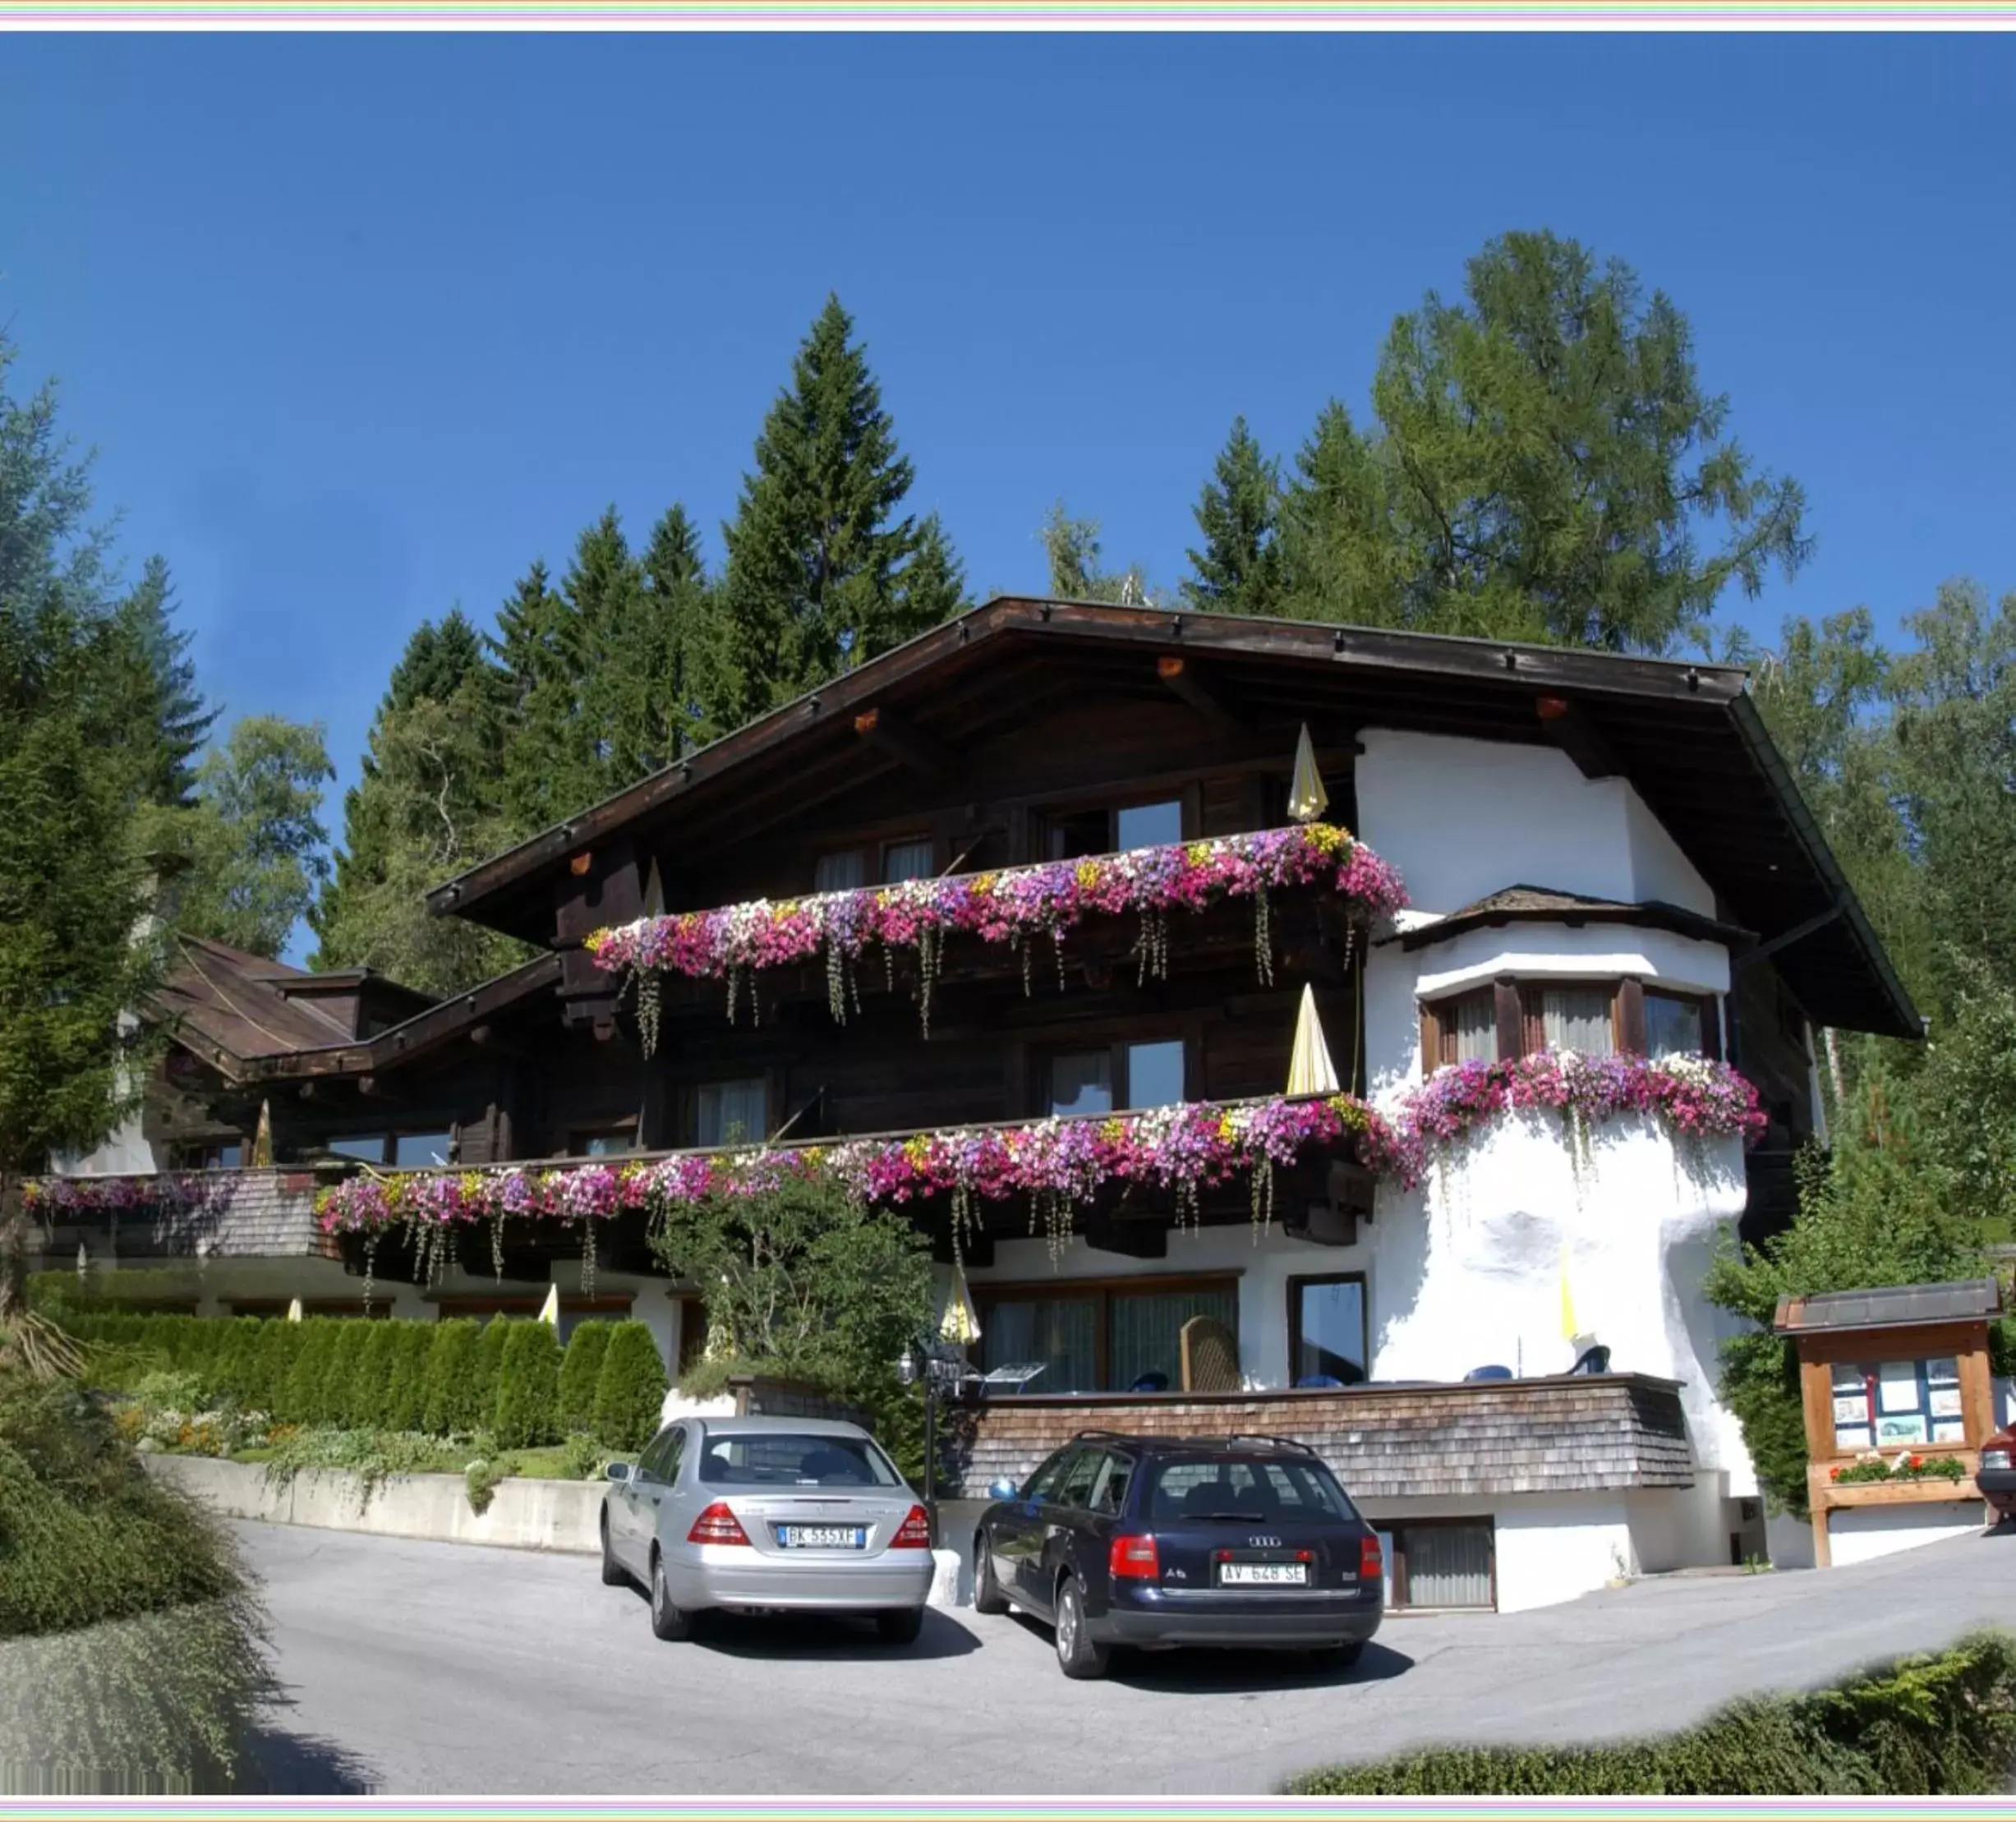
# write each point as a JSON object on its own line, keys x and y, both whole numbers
{"x": 1513, "y": 1018}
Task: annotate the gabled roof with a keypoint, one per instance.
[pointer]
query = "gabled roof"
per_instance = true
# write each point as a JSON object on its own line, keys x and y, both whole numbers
{"x": 1686, "y": 736}
{"x": 1895, "y": 1306}
{"x": 1542, "y": 904}
{"x": 252, "y": 1018}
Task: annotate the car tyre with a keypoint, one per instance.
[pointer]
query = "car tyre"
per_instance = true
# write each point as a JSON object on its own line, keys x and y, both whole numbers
{"x": 986, "y": 1595}
{"x": 901, "y": 1625}
{"x": 667, "y": 1622}
{"x": 612, "y": 1574}
{"x": 1078, "y": 1657}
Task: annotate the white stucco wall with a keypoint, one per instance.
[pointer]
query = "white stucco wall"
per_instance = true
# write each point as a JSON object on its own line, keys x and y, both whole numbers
{"x": 1467, "y": 1270}
{"x": 1858, "y": 1534}
{"x": 1789, "y": 1541}
{"x": 1463, "y": 818}
{"x": 1553, "y": 1553}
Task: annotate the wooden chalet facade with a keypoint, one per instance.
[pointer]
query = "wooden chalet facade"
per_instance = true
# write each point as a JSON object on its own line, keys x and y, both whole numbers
{"x": 1600, "y": 853}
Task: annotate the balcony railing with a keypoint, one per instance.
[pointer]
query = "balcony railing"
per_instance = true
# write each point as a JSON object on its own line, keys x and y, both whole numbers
{"x": 1014, "y": 907}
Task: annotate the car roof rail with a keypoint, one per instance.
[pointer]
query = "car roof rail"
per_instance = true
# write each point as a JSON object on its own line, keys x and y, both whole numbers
{"x": 1103, "y": 1436}
{"x": 1254, "y": 1435}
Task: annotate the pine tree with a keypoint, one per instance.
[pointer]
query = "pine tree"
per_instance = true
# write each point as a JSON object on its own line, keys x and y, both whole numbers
{"x": 1240, "y": 569}
{"x": 816, "y": 553}
{"x": 73, "y": 767}
{"x": 168, "y": 704}
{"x": 1071, "y": 548}
{"x": 425, "y": 807}
{"x": 1339, "y": 558}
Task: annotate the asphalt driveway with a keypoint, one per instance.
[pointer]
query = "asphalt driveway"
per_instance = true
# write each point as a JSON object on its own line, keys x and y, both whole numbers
{"x": 419, "y": 1669}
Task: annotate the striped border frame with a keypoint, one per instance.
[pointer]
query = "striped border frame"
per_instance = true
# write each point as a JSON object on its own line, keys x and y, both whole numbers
{"x": 998, "y": 14}
{"x": 1060, "y": 1810}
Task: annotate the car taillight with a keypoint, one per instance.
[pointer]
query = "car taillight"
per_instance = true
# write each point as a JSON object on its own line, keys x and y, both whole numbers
{"x": 717, "y": 1525}
{"x": 1996, "y": 1460}
{"x": 1134, "y": 1558}
{"x": 1369, "y": 1564}
{"x": 914, "y": 1533}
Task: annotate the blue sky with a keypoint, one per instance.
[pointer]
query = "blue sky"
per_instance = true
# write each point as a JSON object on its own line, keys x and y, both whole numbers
{"x": 361, "y": 325}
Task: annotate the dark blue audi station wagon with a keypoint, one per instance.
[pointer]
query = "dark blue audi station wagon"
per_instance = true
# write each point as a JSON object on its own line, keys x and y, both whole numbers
{"x": 1160, "y": 1542}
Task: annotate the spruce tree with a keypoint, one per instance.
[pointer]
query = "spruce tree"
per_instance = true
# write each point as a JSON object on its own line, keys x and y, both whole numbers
{"x": 630, "y": 1388}
{"x": 528, "y": 1388}
{"x": 579, "y": 1373}
{"x": 816, "y": 551}
{"x": 1239, "y": 570}
{"x": 426, "y": 805}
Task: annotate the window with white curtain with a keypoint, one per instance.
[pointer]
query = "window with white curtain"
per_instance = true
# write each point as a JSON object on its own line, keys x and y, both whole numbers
{"x": 916, "y": 859}
{"x": 1673, "y": 1026}
{"x": 732, "y": 1113}
{"x": 846, "y": 870}
{"x": 1578, "y": 1018}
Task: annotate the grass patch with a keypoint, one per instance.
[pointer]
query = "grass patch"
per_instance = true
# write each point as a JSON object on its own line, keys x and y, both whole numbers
{"x": 1942, "y": 1725}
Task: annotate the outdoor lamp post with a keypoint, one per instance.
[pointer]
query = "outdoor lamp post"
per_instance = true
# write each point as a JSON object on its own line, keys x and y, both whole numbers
{"x": 939, "y": 1367}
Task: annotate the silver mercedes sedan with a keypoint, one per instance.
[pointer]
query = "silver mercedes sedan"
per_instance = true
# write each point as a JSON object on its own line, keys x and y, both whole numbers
{"x": 756, "y": 1514}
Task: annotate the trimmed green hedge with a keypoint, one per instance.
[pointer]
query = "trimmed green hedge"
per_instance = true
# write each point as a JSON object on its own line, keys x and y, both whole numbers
{"x": 629, "y": 1388}
{"x": 579, "y": 1373}
{"x": 1936, "y": 1725}
{"x": 446, "y": 1379}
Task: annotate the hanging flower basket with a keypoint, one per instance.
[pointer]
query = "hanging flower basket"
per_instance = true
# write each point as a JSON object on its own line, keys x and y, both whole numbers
{"x": 1016, "y": 907}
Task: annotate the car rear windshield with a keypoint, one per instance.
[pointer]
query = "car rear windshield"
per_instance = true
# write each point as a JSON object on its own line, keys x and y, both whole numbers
{"x": 1263, "y": 1489}
{"x": 771, "y": 1459}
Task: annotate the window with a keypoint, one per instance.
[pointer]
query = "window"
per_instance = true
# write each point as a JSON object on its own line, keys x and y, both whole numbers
{"x": 1148, "y": 826}
{"x": 371, "y": 1148}
{"x": 1147, "y": 1074}
{"x": 768, "y": 1459}
{"x": 1680, "y": 1024}
{"x": 1084, "y": 1469}
{"x": 660, "y": 1461}
{"x": 612, "y": 1141}
{"x": 216, "y": 1154}
{"x": 732, "y": 1113}
{"x": 916, "y": 857}
{"x": 1264, "y": 1492}
{"x": 1070, "y": 835}
{"x": 1082, "y": 1082}
{"x": 1896, "y": 1403}
{"x": 1039, "y": 1485}
{"x": 404, "y": 1151}
{"x": 1154, "y": 1073}
{"x": 1577, "y": 1015}
{"x": 1109, "y": 1492}
{"x": 1594, "y": 1017}
{"x": 417, "y": 1151}
{"x": 1099, "y": 1337}
{"x": 845, "y": 871}
{"x": 1327, "y": 1329}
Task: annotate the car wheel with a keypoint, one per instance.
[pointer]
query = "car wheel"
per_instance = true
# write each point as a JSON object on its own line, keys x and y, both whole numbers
{"x": 668, "y": 1621}
{"x": 901, "y": 1625}
{"x": 613, "y": 1576}
{"x": 1077, "y": 1656}
{"x": 986, "y": 1595}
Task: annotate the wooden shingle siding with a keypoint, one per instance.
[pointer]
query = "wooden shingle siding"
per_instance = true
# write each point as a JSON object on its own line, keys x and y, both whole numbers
{"x": 1571, "y": 1434}
{"x": 238, "y": 1214}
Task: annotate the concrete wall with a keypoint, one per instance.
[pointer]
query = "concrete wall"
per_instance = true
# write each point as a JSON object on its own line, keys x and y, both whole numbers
{"x": 1857, "y": 1533}
{"x": 525, "y": 1515}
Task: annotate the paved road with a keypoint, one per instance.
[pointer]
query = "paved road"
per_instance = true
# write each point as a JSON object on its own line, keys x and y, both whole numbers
{"x": 426, "y": 1668}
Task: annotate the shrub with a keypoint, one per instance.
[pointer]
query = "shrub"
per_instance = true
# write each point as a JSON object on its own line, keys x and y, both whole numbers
{"x": 578, "y": 1374}
{"x": 453, "y": 1406}
{"x": 406, "y": 1380}
{"x": 480, "y": 1479}
{"x": 1943, "y": 1725}
{"x": 371, "y": 1400}
{"x": 343, "y": 1386}
{"x": 302, "y": 1393}
{"x": 278, "y": 1342}
{"x": 133, "y": 1658}
{"x": 490, "y": 1352}
{"x": 528, "y": 1388}
{"x": 630, "y": 1389}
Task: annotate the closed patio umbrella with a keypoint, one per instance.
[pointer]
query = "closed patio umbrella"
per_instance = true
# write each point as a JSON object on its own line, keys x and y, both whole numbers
{"x": 1307, "y": 798}
{"x": 1310, "y": 1070}
{"x": 959, "y": 1324}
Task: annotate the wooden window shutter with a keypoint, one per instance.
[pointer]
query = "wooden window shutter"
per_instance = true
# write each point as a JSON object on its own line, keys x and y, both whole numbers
{"x": 1513, "y": 1020}
{"x": 1630, "y": 1016}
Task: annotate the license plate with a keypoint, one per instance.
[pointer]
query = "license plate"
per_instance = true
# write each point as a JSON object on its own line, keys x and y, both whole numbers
{"x": 1263, "y": 1575}
{"x": 822, "y": 1537}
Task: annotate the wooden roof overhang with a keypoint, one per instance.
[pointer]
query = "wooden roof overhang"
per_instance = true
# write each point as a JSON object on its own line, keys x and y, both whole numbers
{"x": 1532, "y": 905}
{"x": 1686, "y": 736}
{"x": 422, "y": 1035}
